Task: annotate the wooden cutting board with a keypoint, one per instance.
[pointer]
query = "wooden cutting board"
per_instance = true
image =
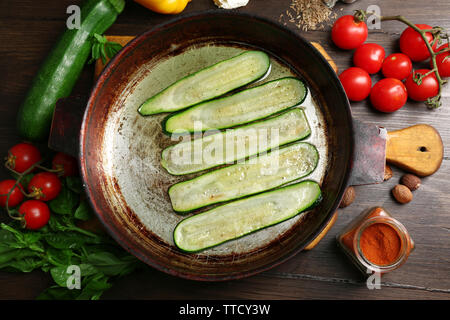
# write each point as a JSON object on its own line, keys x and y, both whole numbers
{"x": 123, "y": 40}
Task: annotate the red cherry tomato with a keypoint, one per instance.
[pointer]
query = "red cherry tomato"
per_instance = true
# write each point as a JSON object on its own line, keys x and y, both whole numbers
{"x": 16, "y": 196}
{"x": 347, "y": 33}
{"x": 22, "y": 156}
{"x": 412, "y": 44}
{"x": 442, "y": 61}
{"x": 388, "y": 95}
{"x": 35, "y": 213}
{"x": 356, "y": 83}
{"x": 397, "y": 65}
{"x": 44, "y": 186}
{"x": 369, "y": 57}
{"x": 68, "y": 164}
{"x": 427, "y": 89}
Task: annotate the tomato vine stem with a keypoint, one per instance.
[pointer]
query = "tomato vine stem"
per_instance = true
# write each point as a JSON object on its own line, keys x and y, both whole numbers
{"x": 12, "y": 213}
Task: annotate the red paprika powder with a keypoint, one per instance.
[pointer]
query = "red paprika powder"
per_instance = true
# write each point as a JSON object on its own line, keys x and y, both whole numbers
{"x": 375, "y": 241}
{"x": 380, "y": 244}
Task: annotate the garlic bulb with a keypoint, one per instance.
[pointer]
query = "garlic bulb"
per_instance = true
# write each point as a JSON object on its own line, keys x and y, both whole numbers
{"x": 230, "y": 4}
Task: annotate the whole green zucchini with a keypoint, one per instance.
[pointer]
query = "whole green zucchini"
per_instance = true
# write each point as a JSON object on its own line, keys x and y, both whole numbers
{"x": 62, "y": 67}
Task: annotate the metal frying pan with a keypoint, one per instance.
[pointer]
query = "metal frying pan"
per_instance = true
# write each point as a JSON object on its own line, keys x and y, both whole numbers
{"x": 120, "y": 150}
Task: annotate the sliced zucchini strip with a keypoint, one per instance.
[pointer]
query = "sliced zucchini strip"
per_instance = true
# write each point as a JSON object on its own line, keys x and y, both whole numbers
{"x": 240, "y": 108}
{"x": 235, "y": 144}
{"x": 209, "y": 83}
{"x": 252, "y": 176}
{"x": 239, "y": 218}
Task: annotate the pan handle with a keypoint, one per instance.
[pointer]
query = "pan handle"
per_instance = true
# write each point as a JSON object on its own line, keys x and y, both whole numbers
{"x": 66, "y": 125}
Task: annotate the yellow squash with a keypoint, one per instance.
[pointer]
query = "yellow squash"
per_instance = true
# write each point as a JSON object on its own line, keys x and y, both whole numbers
{"x": 164, "y": 6}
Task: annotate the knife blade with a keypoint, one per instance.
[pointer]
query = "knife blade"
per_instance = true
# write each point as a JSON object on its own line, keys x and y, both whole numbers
{"x": 417, "y": 149}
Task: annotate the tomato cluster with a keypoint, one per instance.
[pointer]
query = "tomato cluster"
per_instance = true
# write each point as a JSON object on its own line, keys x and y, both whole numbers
{"x": 24, "y": 159}
{"x": 400, "y": 81}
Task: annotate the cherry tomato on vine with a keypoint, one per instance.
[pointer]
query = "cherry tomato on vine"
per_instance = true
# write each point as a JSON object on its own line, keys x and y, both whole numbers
{"x": 44, "y": 186}
{"x": 16, "y": 196}
{"x": 442, "y": 61}
{"x": 22, "y": 156}
{"x": 369, "y": 57}
{"x": 349, "y": 33}
{"x": 68, "y": 164}
{"x": 427, "y": 89}
{"x": 397, "y": 65}
{"x": 35, "y": 214}
{"x": 412, "y": 44}
{"x": 388, "y": 95}
{"x": 356, "y": 83}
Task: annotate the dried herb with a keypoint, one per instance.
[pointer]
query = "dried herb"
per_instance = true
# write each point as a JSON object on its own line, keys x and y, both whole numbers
{"x": 308, "y": 14}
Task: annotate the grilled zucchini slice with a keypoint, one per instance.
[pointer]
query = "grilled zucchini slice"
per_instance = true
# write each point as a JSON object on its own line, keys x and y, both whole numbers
{"x": 235, "y": 144}
{"x": 240, "y": 108}
{"x": 209, "y": 83}
{"x": 239, "y": 218}
{"x": 252, "y": 176}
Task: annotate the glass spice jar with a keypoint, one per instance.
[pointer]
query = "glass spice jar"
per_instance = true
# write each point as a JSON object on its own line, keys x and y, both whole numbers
{"x": 376, "y": 242}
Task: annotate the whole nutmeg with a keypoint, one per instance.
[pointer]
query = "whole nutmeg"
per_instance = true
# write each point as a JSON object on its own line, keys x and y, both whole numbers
{"x": 348, "y": 198}
{"x": 387, "y": 173}
{"x": 411, "y": 181}
{"x": 402, "y": 193}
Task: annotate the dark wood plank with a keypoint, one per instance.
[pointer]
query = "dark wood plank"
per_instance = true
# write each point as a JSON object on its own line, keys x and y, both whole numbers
{"x": 269, "y": 285}
{"x": 28, "y": 29}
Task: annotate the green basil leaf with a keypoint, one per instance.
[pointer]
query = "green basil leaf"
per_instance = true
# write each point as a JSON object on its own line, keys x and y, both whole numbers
{"x": 8, "y": 255}
{"x": 61, "y": 256}
{"x": 75, "y": 184}
{"x": 55, "y": 223}
{"x": 58, "y": 293}
{"x": 83, "y": 211}
{"x": 99, "y": 38}
{"x": 94, "y": 287}
{"x": 112, "y": 265}
{"x": 16, "y": 233}
{"x": 60, "y": 275}
{"x": 65, "y": 202}
{"x": 116, "y": 47}
{"x": 68, "y": 240}
{"x": 8, "y": 238}
{"x": 87, "y": 269}
{"x": 4, "y": 249}
{"x": 21, "y": 239}
{"x": 103, "y": 54}
{"x": 23, "y": 260}
{"x": 26, "y": 180}
{"x": 95, "y": 53}
{"x": 109, "y": 52}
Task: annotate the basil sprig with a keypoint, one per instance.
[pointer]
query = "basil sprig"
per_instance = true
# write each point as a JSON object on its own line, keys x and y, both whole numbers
{"x": 62, "y": 243}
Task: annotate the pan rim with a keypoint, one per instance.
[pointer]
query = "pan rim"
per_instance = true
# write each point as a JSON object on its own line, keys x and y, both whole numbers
{"x": 125, "y": 241}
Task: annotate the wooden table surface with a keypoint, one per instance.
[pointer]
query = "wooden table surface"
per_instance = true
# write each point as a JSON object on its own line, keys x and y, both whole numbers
{"x": 28, "y": 29}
